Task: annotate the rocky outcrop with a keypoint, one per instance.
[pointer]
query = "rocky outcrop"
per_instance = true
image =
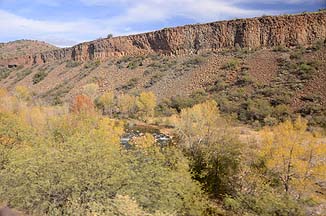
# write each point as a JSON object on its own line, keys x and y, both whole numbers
{"x": 267, "y": 31}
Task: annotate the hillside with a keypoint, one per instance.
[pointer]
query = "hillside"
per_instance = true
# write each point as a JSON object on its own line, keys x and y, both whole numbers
{"x": 19, "y": 48}
{"x": 267, "y": 61}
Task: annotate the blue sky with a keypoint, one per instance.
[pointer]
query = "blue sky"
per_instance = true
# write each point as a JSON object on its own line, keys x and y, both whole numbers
{"x": 65, "y": 23}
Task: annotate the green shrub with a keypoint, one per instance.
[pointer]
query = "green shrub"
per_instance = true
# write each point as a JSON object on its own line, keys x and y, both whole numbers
{"x": 79, "y": 168}
{"x": 154, "y": 79}
{"x": 72, "y": 64}
{"x": 39, "y": 76}
{"x": 92, "y": 64}
{"x": 134, "y": 64}
{"x": 280, "y": 48}
{"x": 132, "y": 83}
{"x": 305, "y": 70}
{"x": 231, "y": 64}
{"x": 4, "y": 73}
{"x": 317, "y": 45}
{"x": 198, "y": 60}
{"x": 22, "y": 74}
{"x": 258, "y": 109}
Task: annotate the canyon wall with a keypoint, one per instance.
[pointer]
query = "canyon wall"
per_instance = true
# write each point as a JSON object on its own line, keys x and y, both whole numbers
{"x": 267, "y": 31}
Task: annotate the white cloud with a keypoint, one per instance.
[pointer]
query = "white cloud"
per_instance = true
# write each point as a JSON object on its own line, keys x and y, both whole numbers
{"x": 135, "y": 12}
{"x": 79, "y": 30}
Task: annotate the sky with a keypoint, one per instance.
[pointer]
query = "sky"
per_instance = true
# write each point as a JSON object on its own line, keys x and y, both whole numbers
{"x": 68, "y": 22}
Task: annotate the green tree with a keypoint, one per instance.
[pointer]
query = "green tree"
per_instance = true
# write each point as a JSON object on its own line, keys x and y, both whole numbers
{"x": 212, "y": 147}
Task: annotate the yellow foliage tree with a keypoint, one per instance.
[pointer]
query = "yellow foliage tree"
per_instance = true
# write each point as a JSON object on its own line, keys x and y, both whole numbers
{"x": 144, "y": 142}
{"x": 199, "y": 122}
{"x": 106, "y": 101}
{"x": 23, "y": 93}
{"x": 146, "y": 103}
{"x": 295, "y": 155}
{"x": 127, "y": 104}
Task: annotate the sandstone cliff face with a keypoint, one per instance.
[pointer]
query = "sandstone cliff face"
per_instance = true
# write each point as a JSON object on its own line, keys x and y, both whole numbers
{"x": 267, "y": 31}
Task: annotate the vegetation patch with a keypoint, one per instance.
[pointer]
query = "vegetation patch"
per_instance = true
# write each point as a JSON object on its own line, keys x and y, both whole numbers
{"x": 22, "y": 74}
{"x": 231, "y": 65}
{"x": 4, "y": 73}
{"x": 72, "y": 64}
{"x": 92, "y": 65}
{"x": 39, "y": 76}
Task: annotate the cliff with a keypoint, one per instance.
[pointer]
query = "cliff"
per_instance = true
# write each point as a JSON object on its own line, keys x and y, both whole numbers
{"x": 267, "y": 31}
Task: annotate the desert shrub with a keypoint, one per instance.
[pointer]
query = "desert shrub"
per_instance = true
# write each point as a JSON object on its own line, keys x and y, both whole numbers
{"x": 154, "y": 79}
{"x": 244, "y": 79}
{"x": 180, "y": 102}
{"x": 132, "y": 83}
{"x": 22, "y": 74}
{"x": 135, "y": 63}
{"x": 198, "y": 60}
{"x": 92, "y": 64}
{"x": 164, "y": 108}
{"x": 231, "y": 64}
{"x": 282, "y": 112}
{"x": 4, "y": 73}
{"x": 72, "y": 64}
{"x": 39, "y": 76}
{"x": 258, "y": 109}
{"x": 317, "y": 45}
{"x": 305, "y": 71}
{"x": 280, "y": 48}
{"x": 156, "y": 65}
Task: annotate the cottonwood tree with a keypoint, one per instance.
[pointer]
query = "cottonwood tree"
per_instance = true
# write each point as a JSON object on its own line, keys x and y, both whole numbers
{"x": 127, "y": 104}
{"x": 146, "y": 103}
{"x": 212, "y": 147}
{"x": 295, "y": 156}
{"x": 106, "y": 102}
{"x": 23, "y": 93}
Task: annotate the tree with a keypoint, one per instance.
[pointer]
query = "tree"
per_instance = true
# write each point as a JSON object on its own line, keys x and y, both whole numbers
{"x": 82, "y": 104}
{"x": 88, "y": 172}
{"x": 127, "y": 104}
{"x": 106, "y": 102}
{"x": 295, "y": 156}
{"x": 146, "y": 103}
{"x": 212, "y": 147}
{"x": 23, "y": 93}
